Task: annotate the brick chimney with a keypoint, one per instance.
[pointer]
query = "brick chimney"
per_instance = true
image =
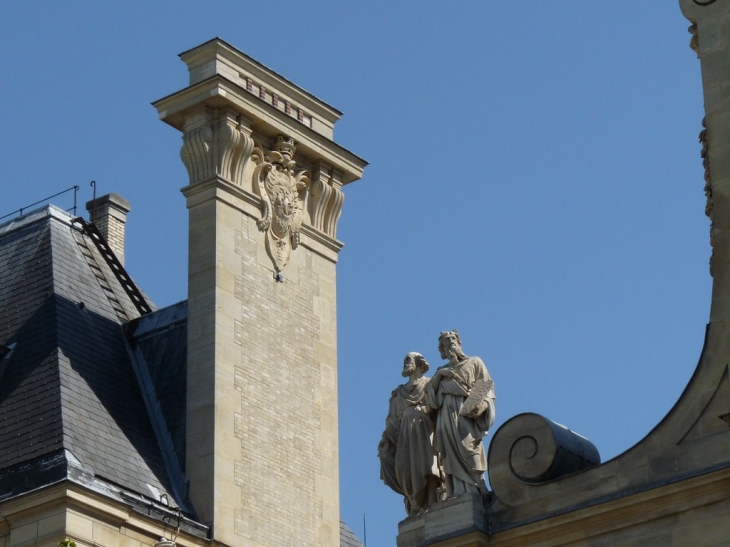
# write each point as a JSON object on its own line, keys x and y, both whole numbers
{"x": 109, "y": 214}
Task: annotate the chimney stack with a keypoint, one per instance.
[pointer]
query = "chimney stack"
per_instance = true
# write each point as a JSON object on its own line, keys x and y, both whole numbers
{"x": 264, "y": 196}
{"x": 109, "y": 214}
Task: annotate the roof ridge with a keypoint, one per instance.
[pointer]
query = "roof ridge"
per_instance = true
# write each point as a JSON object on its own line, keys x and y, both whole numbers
{"x": 36, "y": 215}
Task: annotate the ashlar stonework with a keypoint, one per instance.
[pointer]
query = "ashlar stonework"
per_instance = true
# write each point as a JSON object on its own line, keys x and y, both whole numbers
{"x": 264, "y": 197}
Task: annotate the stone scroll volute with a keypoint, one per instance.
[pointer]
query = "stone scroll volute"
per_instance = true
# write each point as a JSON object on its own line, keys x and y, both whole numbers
{"x": 325, "y": 199}
{"x": 530, "y": 450}
{"x": 216, "y": 143}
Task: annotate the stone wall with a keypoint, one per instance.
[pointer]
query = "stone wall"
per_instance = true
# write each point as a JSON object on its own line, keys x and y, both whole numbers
{"x": 262, "y": 377}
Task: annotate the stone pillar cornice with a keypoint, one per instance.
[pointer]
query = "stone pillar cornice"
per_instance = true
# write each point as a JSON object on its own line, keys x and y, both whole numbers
{"x": 218, "y": 57}
{"x": 235, "y": 116}
{"x": 267, "y": 120}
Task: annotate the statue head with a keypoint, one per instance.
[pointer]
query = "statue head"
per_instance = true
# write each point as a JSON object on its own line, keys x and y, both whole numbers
{"x": 450, "y": 346}
{"x": 414, "y": 361}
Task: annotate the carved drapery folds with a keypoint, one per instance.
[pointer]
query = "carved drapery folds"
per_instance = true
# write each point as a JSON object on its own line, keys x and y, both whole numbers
{"x": 216, "y": 143}
{"x": 325, "y": 199}
{"x": 282, "y": 189}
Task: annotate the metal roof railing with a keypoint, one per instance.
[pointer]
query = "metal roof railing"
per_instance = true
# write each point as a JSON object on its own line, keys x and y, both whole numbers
{"x": 19, "y": 212}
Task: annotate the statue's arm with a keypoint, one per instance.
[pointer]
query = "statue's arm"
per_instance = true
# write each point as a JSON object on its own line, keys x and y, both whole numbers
{"x": 432, "y": 398}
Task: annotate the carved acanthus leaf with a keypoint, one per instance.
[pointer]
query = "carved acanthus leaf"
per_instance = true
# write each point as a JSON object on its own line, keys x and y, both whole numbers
{"x": 694, "y": 42}
{"x": 195, "y": 151}
{"x": 216, "y": 143}
{"x": 709, "y": 204}
{"x": 325, "y": 199}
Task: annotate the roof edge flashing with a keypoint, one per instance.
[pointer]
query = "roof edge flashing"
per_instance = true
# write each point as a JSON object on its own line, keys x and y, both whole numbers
{"x": 34, "y": 216}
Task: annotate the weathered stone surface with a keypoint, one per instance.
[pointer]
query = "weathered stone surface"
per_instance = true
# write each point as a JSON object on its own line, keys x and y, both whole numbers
{"x": 446, "y": 521}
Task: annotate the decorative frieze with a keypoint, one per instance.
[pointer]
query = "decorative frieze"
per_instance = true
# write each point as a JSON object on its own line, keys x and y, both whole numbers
{"x": 216, "y": 143}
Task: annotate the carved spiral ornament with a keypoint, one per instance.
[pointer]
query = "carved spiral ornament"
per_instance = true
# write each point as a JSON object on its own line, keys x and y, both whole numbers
{"x": 524, "y": 460}
{"x": 529, "y": 450}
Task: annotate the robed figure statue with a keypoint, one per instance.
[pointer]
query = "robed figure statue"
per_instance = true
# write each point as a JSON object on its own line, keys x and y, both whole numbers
{"x": 462, "y": 394}
{"x": 408, "y": 462}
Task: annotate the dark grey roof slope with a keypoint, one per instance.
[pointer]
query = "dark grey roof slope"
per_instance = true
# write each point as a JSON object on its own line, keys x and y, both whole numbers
{"x": 30, "y": 411}
{"x": 347, "y": 537}
{"x": 68, "y": 391}
{"x": 159, "y": 344}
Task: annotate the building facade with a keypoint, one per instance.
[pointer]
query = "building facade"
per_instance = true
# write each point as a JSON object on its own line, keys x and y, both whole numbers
{"x": 213, "y": 420}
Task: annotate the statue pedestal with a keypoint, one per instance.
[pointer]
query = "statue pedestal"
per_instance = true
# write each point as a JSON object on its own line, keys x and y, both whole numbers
{"x": 462, "y": 516}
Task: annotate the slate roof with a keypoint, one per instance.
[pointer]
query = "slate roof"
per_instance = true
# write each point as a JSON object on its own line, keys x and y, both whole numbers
{"x": 348, "y": 537}
{"x": 68, "y": 391}
{"x": 89, "y": 390}
{"x": 159, "y": 345}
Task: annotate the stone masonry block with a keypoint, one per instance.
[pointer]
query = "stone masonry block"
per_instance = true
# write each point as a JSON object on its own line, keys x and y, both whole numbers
{"x": 53, "y": 524}
{"x": 79, "y": 525}
{"x": 104, "y": 535}
{"x": 22, "y": 535}
{"x": 126, "y": 541}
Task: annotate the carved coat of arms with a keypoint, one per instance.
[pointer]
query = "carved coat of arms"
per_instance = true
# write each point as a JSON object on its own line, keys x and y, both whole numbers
{"x": 282, "y": 188}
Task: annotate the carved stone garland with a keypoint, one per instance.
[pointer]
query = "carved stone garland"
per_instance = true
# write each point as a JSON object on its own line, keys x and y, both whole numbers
{"x": 694, "y": 43}
{"x": 709, "y": 206}
{"x": 282, "y": 189}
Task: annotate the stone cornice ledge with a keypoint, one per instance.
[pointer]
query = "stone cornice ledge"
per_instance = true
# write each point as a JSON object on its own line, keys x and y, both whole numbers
{"x": 323, "y": 244}
{"x": 217, "y": 187}
{"x": 633, "y": 506}
{"x": 218, "y": 91}
{"x": 109, "y": 506}
{"x": 611, "y": 513}
{"x": 199, "y": 58}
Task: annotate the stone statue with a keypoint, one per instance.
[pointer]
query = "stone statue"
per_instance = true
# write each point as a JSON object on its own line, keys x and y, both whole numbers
{"x": 408, "y": 462}
{"x": 462, "y": 393}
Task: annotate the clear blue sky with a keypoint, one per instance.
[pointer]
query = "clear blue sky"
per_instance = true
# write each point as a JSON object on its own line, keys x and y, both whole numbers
{"x": 535, "y": 182}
